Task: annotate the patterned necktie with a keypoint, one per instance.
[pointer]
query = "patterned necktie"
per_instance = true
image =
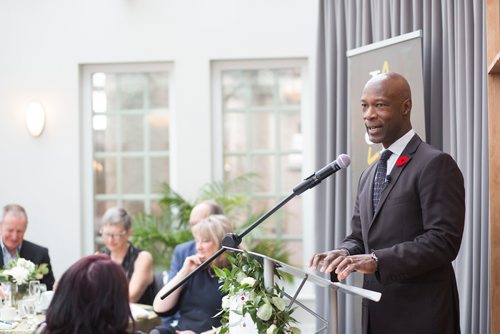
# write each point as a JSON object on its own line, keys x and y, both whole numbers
{"x": 380, "y": 177}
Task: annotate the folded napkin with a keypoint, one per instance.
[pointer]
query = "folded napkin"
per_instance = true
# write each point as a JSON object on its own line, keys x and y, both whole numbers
{"x": 45, "y": 299}
{"x": 7, "y": 324}
{"x": 138, "y": 311}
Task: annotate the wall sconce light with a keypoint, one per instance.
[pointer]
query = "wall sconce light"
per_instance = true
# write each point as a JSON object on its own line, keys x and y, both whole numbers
{"x": 35, "y": 118}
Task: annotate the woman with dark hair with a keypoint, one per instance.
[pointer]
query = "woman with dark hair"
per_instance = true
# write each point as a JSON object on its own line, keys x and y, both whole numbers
{"x": 91, "y": 297}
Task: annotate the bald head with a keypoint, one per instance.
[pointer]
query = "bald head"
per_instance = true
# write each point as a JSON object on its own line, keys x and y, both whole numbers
{"x": 203, "y": 210}
{"x": 386, "y": 103}
{"x": 392, "y": 83}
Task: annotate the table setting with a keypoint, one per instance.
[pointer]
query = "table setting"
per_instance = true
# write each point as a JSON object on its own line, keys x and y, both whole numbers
{"x": 22, "y": 312}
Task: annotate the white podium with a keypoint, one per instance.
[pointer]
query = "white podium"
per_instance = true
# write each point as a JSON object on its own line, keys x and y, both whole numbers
{"x": 270, "y": 264}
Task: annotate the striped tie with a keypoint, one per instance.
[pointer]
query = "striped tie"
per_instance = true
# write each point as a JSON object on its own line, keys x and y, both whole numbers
{"x": 380, "y": 177}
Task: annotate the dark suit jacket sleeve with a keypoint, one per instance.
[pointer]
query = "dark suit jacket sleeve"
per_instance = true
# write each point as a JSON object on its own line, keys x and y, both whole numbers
{"x": 177, "y": 262}
{"x": 38, "y": 254}
{"x": 48, "y": 279}
{"x": 354, "y": 242}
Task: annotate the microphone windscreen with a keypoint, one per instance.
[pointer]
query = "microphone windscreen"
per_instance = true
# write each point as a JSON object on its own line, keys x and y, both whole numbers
{"x": 343, "y": 160}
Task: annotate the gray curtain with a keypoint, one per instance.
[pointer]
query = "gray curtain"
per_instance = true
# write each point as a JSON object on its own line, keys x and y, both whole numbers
{"x": 454, "y": 59}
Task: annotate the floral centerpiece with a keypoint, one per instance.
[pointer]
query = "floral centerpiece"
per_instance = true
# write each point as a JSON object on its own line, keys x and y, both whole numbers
{"x": 267, "y": 308}
{"x": 20, "y": 271}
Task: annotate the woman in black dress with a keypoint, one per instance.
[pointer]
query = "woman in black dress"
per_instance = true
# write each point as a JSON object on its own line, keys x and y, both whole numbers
{"x": 116, "y": 228}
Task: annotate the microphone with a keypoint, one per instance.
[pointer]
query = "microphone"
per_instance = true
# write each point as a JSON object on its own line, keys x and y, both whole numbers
{"x": 388, "y": 179}
{"x": 314, "y": 179}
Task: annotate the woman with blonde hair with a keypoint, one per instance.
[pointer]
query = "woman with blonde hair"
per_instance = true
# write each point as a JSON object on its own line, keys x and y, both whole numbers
{"x": 199, "y": 300}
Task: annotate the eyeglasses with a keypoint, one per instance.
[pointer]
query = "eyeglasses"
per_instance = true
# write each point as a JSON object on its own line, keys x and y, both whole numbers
{"x": 113, "y": 235}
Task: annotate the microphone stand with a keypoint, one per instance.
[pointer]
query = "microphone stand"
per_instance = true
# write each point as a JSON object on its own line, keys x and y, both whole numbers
{"x": 231, "y": 240}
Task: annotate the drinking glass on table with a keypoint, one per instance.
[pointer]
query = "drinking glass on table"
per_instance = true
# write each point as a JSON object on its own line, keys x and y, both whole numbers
{"x": 43, "y": 288}
{"x": 7, "y": 294}
{"x": 34, "y": 289}
{"x": 28, "y": 307}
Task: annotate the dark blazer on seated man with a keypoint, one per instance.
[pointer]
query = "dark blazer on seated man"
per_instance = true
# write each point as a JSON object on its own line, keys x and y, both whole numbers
{"x": 181, "y": 252}
{"x": 36, "y": 254}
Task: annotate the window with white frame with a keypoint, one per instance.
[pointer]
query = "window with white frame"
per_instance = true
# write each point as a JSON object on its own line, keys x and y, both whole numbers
{"x": 129, "y": 108}
{"x": 259, "y": 107}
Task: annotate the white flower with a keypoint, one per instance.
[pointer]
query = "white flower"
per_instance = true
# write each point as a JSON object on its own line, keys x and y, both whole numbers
{"x": 225, "y": 302}
{"x": 295, "y": 330}
{"x": 19, "y": 274}
{"x": 250, "y": 281}
{"x": 271, "y": 329}
{"x": 265, "y": 311}
{"x": 19, "y": 271}
{"x": 23, "y": 263}
{"x": 240, "y": 276}
{"x": 280, "y": 303}
{"x": 237, "y": 301}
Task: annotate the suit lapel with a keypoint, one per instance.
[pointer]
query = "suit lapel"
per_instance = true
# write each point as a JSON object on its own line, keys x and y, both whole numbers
{"x": 409, "y": 151}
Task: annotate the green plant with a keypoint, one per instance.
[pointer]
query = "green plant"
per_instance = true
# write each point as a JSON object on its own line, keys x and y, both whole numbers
{"x": 159, "y": 237}
{"x": 272, "y": 248}
{"x": 243, "y": 284}
{"x": 161, "y": 233}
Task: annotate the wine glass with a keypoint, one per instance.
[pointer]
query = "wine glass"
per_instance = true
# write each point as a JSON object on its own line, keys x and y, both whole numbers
{"x": 34, "y": 289}
{"x": 43, "y": 289}
{"x": 35, "y": 292}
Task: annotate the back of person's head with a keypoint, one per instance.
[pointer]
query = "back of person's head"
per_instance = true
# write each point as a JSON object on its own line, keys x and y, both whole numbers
{"x": 204, "y": 209}
{"x": 214, "y": 228}
{"x": 117, "y": 216}
{"x": 14, "y": 209}
{"x": 91, "y": 297}
{"x": 213, "y": 207}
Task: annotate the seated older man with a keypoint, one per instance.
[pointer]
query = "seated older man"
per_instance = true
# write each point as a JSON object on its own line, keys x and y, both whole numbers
{"x": 13, "y": 226}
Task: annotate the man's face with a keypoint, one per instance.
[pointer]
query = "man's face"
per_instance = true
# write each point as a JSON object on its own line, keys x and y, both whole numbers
{"x": 385, "y": 112}
{"x": 13, "y": 229}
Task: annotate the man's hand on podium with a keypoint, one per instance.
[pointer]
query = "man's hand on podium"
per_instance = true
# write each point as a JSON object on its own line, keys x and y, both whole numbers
{"x": 342, "y": 263}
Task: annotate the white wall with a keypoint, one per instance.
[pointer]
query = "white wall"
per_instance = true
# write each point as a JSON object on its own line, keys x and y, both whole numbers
{"x": 42, "y": 45}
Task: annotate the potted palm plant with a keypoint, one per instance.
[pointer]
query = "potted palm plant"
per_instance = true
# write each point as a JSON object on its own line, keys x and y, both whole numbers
{"x": 161, "y": 233}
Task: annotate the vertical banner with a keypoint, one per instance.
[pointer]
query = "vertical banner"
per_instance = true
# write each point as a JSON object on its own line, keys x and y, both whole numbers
{"x": 402, "y": 54}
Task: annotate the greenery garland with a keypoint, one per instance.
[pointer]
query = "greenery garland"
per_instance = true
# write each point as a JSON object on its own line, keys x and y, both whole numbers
{"x": 268, "y": 309}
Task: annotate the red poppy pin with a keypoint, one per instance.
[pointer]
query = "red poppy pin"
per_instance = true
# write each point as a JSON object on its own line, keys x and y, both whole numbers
{"x": 402, "y": 161}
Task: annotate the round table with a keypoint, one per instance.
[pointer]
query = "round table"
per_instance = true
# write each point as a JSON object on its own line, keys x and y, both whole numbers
{"x": 144, "y": 321}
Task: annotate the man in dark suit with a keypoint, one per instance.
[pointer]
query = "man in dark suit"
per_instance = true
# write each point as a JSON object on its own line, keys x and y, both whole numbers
{"x": 13, "y": 225}
{"x": 407, "y": 223}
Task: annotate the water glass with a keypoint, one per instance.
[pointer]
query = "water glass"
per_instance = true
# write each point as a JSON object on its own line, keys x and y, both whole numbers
{"x": 34, "y": 289}
{"x": 7, "y": 294}
{"x": 39, "y": 306}
{"x": 28, "y": 309}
